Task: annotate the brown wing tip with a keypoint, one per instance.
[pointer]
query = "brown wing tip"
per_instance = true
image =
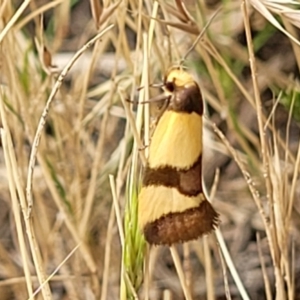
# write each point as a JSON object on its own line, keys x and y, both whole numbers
{"x": 182, "y": 226}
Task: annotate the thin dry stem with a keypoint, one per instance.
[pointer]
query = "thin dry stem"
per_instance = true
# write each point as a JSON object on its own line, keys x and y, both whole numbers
{"x": 225, "y": 277}
{"x": 13, "y": 20}
{"x": 38, "y": 11}
{"x": 16, "y": 211}
{"x": 187, "y": 267}
{"x": 117, "y": 209}
{"x": 53, "y": 273}
{"x": 208, "y": 269}
{"x": 134, "y": 129}
{"x": 231, "y": 266}
{"x": 180, "y": 273}
{"x": 293, "y": 32}
{"x": 147, "y": 274}
{"x": 144, "y": 93}
{"x": 107, "y": 252}
{"x": 268, "y": 291}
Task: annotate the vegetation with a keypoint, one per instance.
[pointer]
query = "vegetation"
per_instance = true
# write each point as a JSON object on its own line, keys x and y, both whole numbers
{"x": 73, "y": 147}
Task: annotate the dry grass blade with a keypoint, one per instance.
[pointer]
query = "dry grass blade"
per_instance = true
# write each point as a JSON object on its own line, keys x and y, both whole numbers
{"x": 263, "y": 268}
{"x": 225, "y": 277}
{"x": 107, "y": 253}
{"x": 175, "y": 12}
{"x": 262, "y": 8}
{"x": 288, "y": 25}
{"x": 39, "y": 11}
{"x": 184, "y": 12}
{"x": 208, "y": 270}
{"x": 231, "y": 267}
{"x": 97, "y": 10}
{"x": 257, "y": 98}
{"x": 293, "y": 17}
{"x": 16, "y": 212}
{"x": 287, "y": 9}
{"x": 293, "y": 292}
{"x": 13, "y": 20}
{"x": 180, "y": 273}
{"x": 43, "y": 52}
{"x": 134, "y": 129}
{"x": 107, "y": 13}
{"x": 190, "y": 28}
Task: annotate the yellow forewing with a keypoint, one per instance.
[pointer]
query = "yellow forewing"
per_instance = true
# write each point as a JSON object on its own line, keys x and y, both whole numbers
{"x": 177, "y": 140}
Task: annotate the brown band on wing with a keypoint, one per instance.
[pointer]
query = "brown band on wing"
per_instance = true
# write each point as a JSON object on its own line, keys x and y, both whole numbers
{"x": 187, "y": 99}
{"x": 183, "y": 226}
{"x": 187, "y": 182}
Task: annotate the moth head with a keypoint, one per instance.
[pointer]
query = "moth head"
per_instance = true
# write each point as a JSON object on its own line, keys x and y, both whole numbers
{"x": 182, "y": 91}
{"x": 176, "y": 78}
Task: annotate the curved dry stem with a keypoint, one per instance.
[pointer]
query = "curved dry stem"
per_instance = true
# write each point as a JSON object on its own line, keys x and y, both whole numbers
{"x": 43, "y": 118}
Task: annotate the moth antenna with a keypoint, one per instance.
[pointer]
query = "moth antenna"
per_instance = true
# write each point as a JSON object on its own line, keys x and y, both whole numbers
{"x": 200, "y": 35}
{"x": 157, "y": 85}
{"x": 158, "y": 98}
{"x": 152, "y": 85}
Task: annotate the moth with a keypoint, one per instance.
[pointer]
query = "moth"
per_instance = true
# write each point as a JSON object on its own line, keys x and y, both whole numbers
{"x": 172, "y": 207}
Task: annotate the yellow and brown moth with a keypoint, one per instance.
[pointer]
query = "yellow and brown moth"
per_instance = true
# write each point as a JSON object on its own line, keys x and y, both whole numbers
{"x": 172, "y": 205}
